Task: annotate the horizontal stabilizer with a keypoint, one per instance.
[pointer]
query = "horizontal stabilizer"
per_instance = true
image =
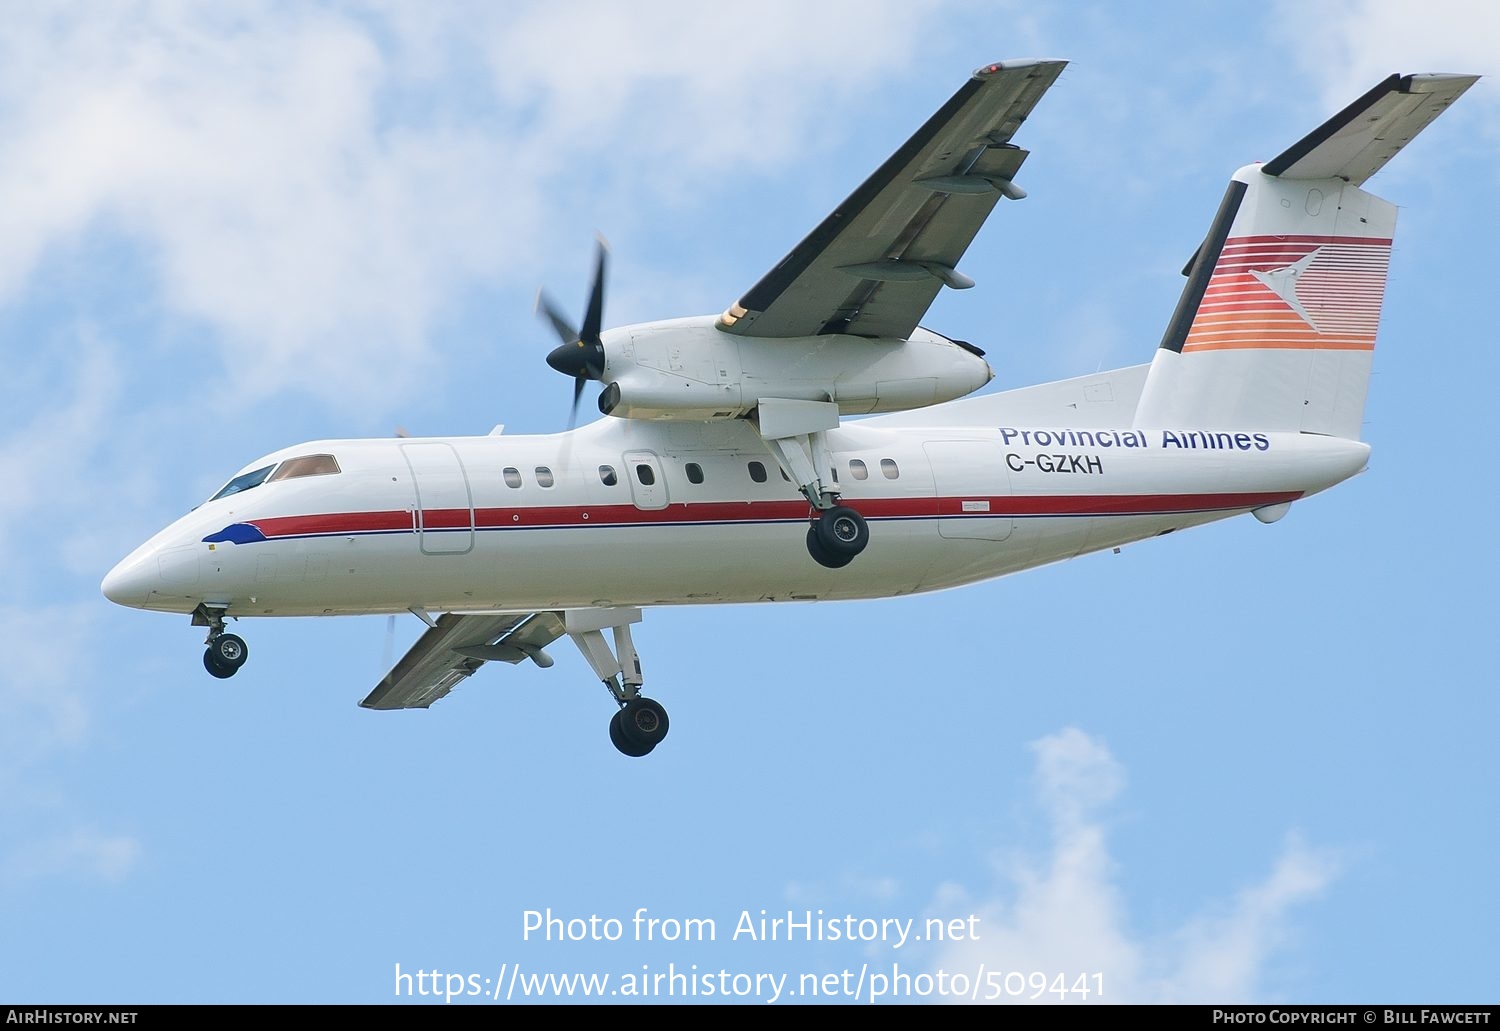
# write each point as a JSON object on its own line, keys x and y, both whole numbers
{"x": 1357, "y": 142}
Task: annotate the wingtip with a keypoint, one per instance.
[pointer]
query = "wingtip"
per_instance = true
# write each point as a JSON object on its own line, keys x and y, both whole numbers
{"x": 1426, "y": 82}
{"x": 995, "y": 67}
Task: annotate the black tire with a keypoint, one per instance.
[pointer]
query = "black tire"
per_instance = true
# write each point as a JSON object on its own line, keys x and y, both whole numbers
{"x": 229, "y": 651}
{"x": 618, "y": 739}
{"x": 842, "y": 531}
{"x": 216, "y": 668}
{"x": 644, "y": 722}
{"x": 815, "y": 549}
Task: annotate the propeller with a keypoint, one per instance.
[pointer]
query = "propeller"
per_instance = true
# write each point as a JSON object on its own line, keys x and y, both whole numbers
{"x": 581, "y": 353}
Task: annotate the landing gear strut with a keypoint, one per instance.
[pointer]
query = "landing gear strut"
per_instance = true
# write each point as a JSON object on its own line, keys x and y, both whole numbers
{"x": 796, "y": 434}
{"x": 226, "y": 653}
{"x": 640, "y": 723}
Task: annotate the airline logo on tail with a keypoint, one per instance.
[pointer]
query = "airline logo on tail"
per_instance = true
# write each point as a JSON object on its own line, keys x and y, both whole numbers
{"x": 1300, "y": 292}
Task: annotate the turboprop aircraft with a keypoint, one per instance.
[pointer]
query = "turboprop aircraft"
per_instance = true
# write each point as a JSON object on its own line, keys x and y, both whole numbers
{"x": 726, "y": 468}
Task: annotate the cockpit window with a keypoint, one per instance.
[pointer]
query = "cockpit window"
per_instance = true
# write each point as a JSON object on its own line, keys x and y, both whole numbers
{"x": 306, "y": 465}
{"x": 244, "y": 481}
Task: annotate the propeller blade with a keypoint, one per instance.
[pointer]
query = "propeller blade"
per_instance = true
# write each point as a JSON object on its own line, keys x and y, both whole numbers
{"x": 594, "y": 318}
{"x": 564, "y": 329}
{"x": 581, "y": 352}
{"x": 577, "y": 394}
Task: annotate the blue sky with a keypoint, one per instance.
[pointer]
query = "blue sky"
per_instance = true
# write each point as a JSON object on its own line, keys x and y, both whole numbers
{"x": 1247, "y": 763}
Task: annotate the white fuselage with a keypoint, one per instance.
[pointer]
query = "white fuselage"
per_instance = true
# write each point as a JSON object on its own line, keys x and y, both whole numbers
{"x": 467, "y": 524}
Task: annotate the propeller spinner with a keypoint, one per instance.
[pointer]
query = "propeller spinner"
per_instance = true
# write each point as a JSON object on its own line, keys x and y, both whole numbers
{"x": 581, "y": 353}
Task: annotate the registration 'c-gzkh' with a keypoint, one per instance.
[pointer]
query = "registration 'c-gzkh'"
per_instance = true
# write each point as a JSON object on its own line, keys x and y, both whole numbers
{"x": 730, "y": 435}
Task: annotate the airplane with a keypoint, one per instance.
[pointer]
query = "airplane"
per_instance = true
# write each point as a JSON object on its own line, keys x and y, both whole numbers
{"x": 815, "y": 443}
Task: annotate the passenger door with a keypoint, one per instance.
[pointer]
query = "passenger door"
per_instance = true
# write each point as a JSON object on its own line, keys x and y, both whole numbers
{"x": 444, "y": 514}
{"x": 648, "y": 488}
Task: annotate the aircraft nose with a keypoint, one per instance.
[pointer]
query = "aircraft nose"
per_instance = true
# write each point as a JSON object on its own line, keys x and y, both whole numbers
{"x": 130, "y": 582}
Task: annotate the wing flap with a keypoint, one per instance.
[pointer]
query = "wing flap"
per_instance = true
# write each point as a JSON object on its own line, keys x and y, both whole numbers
{"x": 874, "y": 265}
{"x": 448, "y": 653}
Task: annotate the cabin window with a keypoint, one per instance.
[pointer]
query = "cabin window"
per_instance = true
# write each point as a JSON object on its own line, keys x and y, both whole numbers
{"x": 694, "y": 472}
{"x": 512, "y": 476}
{"x": 888, "y": 467}
{"x": 607, "y": 475}
{"x": 858, "y": 470}
{"x": 757, "y": 472}
{"x": 543, "y": 476}
{"x": 306, "y": 465}
{"x": 645, "y": 475}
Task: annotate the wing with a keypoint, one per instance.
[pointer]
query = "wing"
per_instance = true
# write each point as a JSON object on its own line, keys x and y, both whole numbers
{"x": 873, "y": 266}
{"x": 456, "y": 647}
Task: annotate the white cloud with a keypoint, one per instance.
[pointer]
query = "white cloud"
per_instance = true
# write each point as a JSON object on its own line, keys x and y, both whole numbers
{"x": 1075, "y": 775}
{"x": 733, "y": 81}
{"x": 243, "y": 153}
{"x": 83, "y": 852}
{"x": 1066, "y": 913}
{"x": 42, "y": 460}
{"x": 1359, "y": 42}
{"x": 314, "y": 187}
{"x": 1221, "y": 957}
{"x": 42, "y": 698}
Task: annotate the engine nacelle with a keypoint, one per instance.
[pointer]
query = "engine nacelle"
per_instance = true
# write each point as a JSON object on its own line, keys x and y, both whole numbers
{"x": 689, "y": 369}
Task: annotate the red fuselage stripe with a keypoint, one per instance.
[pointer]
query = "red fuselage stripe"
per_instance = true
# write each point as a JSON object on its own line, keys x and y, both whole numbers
{"x": 761, "y": 511}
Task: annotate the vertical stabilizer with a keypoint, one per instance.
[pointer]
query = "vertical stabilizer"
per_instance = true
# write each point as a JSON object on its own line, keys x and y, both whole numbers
{"x": 1276, "y": 327}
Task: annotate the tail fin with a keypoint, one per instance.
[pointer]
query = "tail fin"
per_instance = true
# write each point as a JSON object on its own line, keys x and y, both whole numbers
{"x": 1275, "y": 329}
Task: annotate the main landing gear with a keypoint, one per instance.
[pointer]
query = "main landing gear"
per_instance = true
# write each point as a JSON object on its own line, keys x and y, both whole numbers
{"x": 836, "y": 535}
{"x": 640, "y": 723}
{"x": 638, "y": 727}
{"x": 796, "y": 434}
{"x": 225, "y": 653}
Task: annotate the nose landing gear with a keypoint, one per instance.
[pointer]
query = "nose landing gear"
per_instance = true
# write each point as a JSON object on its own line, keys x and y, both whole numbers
{"x": 225, "y": 653}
